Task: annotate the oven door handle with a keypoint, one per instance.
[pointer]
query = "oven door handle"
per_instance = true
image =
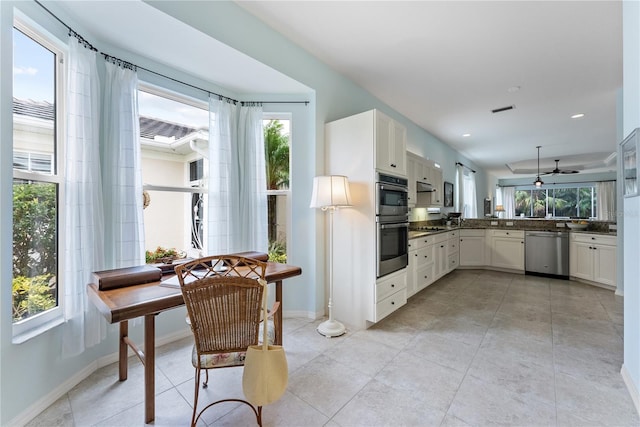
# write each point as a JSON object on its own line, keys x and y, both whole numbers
{"x": 393, "y": 187}
{"x": 401, "y": 225}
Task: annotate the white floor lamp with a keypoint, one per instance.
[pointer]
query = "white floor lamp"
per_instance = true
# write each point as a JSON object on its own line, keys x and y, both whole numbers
{"x": 329, "y": 193}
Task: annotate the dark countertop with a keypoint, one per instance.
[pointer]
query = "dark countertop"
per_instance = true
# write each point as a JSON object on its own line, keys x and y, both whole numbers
{"x": 414, "y": 234}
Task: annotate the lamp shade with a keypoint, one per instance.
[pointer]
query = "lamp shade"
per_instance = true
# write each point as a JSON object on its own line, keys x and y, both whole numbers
{"x": 499, "y": 208}
{"x": 330, "y": 191}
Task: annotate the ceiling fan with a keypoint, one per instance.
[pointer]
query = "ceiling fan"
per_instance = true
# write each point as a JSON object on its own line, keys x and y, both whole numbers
{"x": 557, "y": 170}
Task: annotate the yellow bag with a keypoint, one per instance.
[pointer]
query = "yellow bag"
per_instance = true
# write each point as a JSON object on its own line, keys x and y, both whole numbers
{"x": 266, "y": 374}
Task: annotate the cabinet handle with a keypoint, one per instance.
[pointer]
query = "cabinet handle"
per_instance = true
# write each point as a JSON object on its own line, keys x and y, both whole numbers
{"x": 393, "y": 285}
{"x": 590, "y": 247}
{"x": 416, "y": 255}
{"x": 593, "y": 238}
{"x": 393, "y": 303}
{"x": 442, "y": 246}
{"x": 594, "y": 248}
{"x": 426, "y": 277}
{"x": 393, "y": 166}
{"x": 507, "y": 233}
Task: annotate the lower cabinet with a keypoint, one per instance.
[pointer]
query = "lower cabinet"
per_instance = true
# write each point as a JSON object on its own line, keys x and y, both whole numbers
{"x": 592, "y": 257}
{"x": 507, "y": 249}
{"x": 391, "y": 294}
{"x": 472, "y": 248}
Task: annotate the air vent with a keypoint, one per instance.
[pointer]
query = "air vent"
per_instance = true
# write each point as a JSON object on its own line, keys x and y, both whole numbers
{"x": 500, "y": 110}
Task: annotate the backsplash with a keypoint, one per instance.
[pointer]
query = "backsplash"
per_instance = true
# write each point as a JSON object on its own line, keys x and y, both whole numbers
{"x": 533, "y": 224}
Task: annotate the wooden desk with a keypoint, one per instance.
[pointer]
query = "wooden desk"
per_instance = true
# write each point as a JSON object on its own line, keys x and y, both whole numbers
{"x": 122, "y": 304}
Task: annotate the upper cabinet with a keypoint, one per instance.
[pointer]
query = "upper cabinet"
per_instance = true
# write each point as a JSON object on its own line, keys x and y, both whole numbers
{"x": 391, "y": 145}
{"x": 422, "y": 170}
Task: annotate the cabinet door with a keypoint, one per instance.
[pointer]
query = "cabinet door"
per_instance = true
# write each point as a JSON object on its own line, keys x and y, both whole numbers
{"x": 441, "y": 259}
{"x": 412, "y": 267}
{"x": 508, "y": 253}
{"x": 383, "y": 143}
{"x": 472, "y": 251}
{"x": 604, "y": 264}
{"x": 581, "y": 260}
{"x": 411, "y": 176}
{"x": 437, "y": 196}
{"x": 398, "y": 148}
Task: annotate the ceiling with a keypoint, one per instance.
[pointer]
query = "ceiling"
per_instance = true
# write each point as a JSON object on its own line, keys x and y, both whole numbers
{"x": 443, "y": 64}
{"x": 447, "y": 64}
{"x": 137, "y": 27}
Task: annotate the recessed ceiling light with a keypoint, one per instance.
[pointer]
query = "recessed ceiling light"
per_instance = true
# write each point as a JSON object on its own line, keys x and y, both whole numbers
{"x": 513, "y": 89}
{"x": 578, "y": 116}
{"x": 466, "y": 135}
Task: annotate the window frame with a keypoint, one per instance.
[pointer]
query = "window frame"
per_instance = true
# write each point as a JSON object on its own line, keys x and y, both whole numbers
{"x": 25, "y": 329}
{"x": 577, "y": 186}
{"x": 191, "y": 187}
{"x": 286, "y": 192}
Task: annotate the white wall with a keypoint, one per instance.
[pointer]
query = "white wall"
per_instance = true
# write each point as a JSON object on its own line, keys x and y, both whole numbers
{"x": 631, "y": 211}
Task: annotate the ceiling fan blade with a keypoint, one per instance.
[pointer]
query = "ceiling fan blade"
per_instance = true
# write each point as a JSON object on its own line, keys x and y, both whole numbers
{"x": 568, "y": 172}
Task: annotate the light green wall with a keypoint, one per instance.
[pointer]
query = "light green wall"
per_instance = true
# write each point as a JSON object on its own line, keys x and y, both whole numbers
{"x": 33, "y": 370}
{"x": 630, "y": 121}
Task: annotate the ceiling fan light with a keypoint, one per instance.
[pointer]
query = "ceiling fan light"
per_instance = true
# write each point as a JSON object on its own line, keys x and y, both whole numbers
{"x": 538, "y": 183}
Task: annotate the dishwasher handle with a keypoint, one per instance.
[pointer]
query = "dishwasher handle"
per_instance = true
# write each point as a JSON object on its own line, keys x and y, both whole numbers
{"x": 560, "y": 234}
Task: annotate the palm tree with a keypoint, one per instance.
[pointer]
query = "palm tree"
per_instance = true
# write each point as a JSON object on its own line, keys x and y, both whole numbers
{"x": 277, "y": 162}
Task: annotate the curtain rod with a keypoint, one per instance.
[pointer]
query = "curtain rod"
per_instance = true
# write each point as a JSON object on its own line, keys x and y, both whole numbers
{"x": 128, "y": 64}
{"x": 465, "y": 166}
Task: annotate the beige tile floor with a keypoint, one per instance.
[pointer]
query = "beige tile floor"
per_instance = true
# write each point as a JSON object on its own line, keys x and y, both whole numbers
{"x": 476, "y": 348}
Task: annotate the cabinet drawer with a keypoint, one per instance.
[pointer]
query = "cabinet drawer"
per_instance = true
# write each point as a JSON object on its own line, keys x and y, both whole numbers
{"x": 390, "y": 304}
{"x": 425, "y": 256}
{"x": 454, "y": 246}
{"x": 453, "y": 261}
{"x": 594, "y": 238}
{"x": 386, "y": 287}
{"x": 425, "y": 276}
{"x": 517, "y": 234}
{"x": 471, "y": 232}
{"x": 442, "y": 237}
{"x": 416, "y": 243}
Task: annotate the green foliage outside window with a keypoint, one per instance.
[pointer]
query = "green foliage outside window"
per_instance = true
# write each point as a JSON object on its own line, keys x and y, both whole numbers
{"x": 277, "y": 163}
{"x": 35, "y": 260}
{"x": 557, "y": 202}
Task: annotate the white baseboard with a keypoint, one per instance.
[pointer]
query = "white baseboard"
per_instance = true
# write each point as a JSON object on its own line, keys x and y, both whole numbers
{"x": 55, "y": 394}
{"x": 305, "y": 314}
{"x": 633, "y": 389}
{"x": 34, "y": 410}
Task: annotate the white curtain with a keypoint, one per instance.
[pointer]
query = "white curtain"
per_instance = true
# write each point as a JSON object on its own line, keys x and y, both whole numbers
{"x": 237, "y": 203}
{"x": 84, "y": 220}
{"x": 122, "y": 178}
{"x": 509, "y": 201}
{"x": 466, "y": 192}
{"x": 606, "y": 200}
{"x": 253, "y": 180}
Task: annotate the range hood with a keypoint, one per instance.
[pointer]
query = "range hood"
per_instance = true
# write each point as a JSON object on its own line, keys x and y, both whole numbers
{"x": 424, "y": 187}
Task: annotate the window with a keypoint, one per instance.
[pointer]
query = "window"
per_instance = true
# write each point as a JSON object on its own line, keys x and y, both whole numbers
{"x": 559, "y": 201}
{"x": 277, "y": 147}
{"x": 37, "y": 177}
{"x": 174, "y": 135}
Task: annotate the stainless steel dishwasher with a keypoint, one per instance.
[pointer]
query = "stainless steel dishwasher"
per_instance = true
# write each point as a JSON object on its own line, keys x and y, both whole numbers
{"x": 546, "y": 253}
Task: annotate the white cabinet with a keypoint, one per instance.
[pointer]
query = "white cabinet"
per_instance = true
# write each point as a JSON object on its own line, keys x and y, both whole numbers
{"x": 411, "y": 175}
{"x": 446, "y": 253}
{"x": 507, "y": 249}
{"x": 356, "y": 147}
{"x": 391, "y": 294}
{"x": 390, "y": 145}
{"x": 472, "y": 248}
{"x": 423, "y": 170}
{"x": 420, "y": 271}
{"x": 593, "y": 257}
{"x": 437, "y": 196}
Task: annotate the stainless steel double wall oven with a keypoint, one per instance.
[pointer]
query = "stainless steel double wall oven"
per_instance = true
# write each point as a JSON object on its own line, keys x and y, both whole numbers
{"x": 392, "y": 222}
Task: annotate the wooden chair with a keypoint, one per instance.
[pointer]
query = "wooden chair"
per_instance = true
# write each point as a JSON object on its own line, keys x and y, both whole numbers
{"x": 223, "y": 296}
